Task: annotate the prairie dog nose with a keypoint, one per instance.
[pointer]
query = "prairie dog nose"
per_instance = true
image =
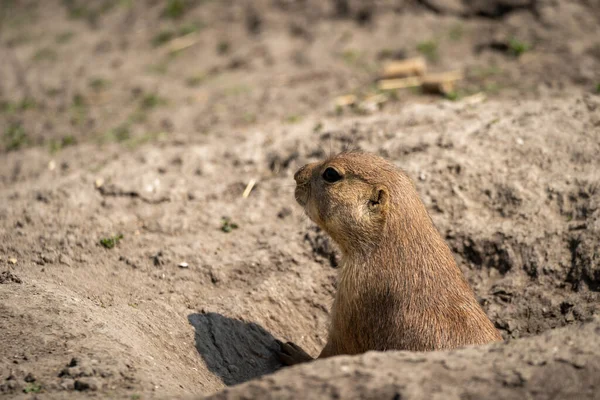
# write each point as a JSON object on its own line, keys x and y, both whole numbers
{"x": 303, "y": 174}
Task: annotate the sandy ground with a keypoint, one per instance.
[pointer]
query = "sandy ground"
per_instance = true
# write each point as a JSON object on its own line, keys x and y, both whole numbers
{"x": 144, "y": 122}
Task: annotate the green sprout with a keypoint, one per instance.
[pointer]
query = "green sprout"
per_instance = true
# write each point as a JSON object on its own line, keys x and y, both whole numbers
{"x": 227, "y": 225}
{"x": 429, "y": 49}
{"x": 517, "y": 47}
{"x": 110, "y": 242}
{"x": 32, "y": 387}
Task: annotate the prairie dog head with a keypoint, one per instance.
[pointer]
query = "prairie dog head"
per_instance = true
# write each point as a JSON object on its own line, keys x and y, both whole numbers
{"x": 352, "y": 196}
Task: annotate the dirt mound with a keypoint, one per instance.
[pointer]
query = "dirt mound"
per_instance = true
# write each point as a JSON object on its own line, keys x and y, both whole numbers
{"x": 523, "y": 231}
{"x": 538, "y": 368}
{"x": 150, "y": 245}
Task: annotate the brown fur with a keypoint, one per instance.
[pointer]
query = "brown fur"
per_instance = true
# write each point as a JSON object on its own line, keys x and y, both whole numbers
{"x": 399, "y": 286}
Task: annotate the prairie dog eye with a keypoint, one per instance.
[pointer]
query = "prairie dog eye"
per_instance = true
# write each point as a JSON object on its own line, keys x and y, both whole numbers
{"x": 330, "y": 175}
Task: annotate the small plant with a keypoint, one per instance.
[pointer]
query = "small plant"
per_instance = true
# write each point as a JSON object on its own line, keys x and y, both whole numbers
{"x": 175, "y": 8}
{"x": 569, "y": 216}
{"x": 227, "y": 225}
{"x": 32, "y": 387}
{"x": 98, "y": 84}
{"x": 78, "y": 100}
{"x": 429, "y": 49}
{"x": 66, "y": 141}
{"x": 150, "y": 101}
{"x": 27, "y": 103}
{"x": 15, "y": 137}
{"x": 75, "y": 10}
{"x": 110, "y": 242}
{"x": 45, "y": 54}
{"x": 223, "y": 47}
{"x": 598, "y": 88}
{"x": 190, "y": 28}
{"x": 517, "y": 47}
{"x": 90, "y": 11}
{"x": 119, "y": 134}
{"x": 195, "y": 80}
{"x": 135, "y": 397}
{"x": 7, "y": 107}
{"x": 162, "y": 37}
{"x": 292, "y": 119}
{"x": 452, "y": 96}
{"x": 166, "y": 36}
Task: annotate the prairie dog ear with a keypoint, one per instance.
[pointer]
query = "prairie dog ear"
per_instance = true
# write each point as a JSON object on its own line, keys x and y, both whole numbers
{"x": 379, "y": 198}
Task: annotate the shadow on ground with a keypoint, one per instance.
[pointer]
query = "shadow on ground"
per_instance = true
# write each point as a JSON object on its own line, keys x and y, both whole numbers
{"x": 234, "y": 350}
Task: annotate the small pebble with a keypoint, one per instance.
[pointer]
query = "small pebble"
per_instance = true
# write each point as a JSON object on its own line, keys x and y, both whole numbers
{"x": 183, "y": 265}
{"x": 12, "y": 260}
{"x": 284, "y": 212}
{"x": 68, "y": 384}
{"x": 65, "y": 259}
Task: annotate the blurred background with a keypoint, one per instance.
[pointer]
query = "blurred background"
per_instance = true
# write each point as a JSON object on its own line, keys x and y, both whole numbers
{"x": 134, "y": 71}
{"x": 150, "y": 244}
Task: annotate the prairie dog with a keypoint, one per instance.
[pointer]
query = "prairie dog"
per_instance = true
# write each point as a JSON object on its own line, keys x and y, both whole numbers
{"x": 399, "y": 287}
